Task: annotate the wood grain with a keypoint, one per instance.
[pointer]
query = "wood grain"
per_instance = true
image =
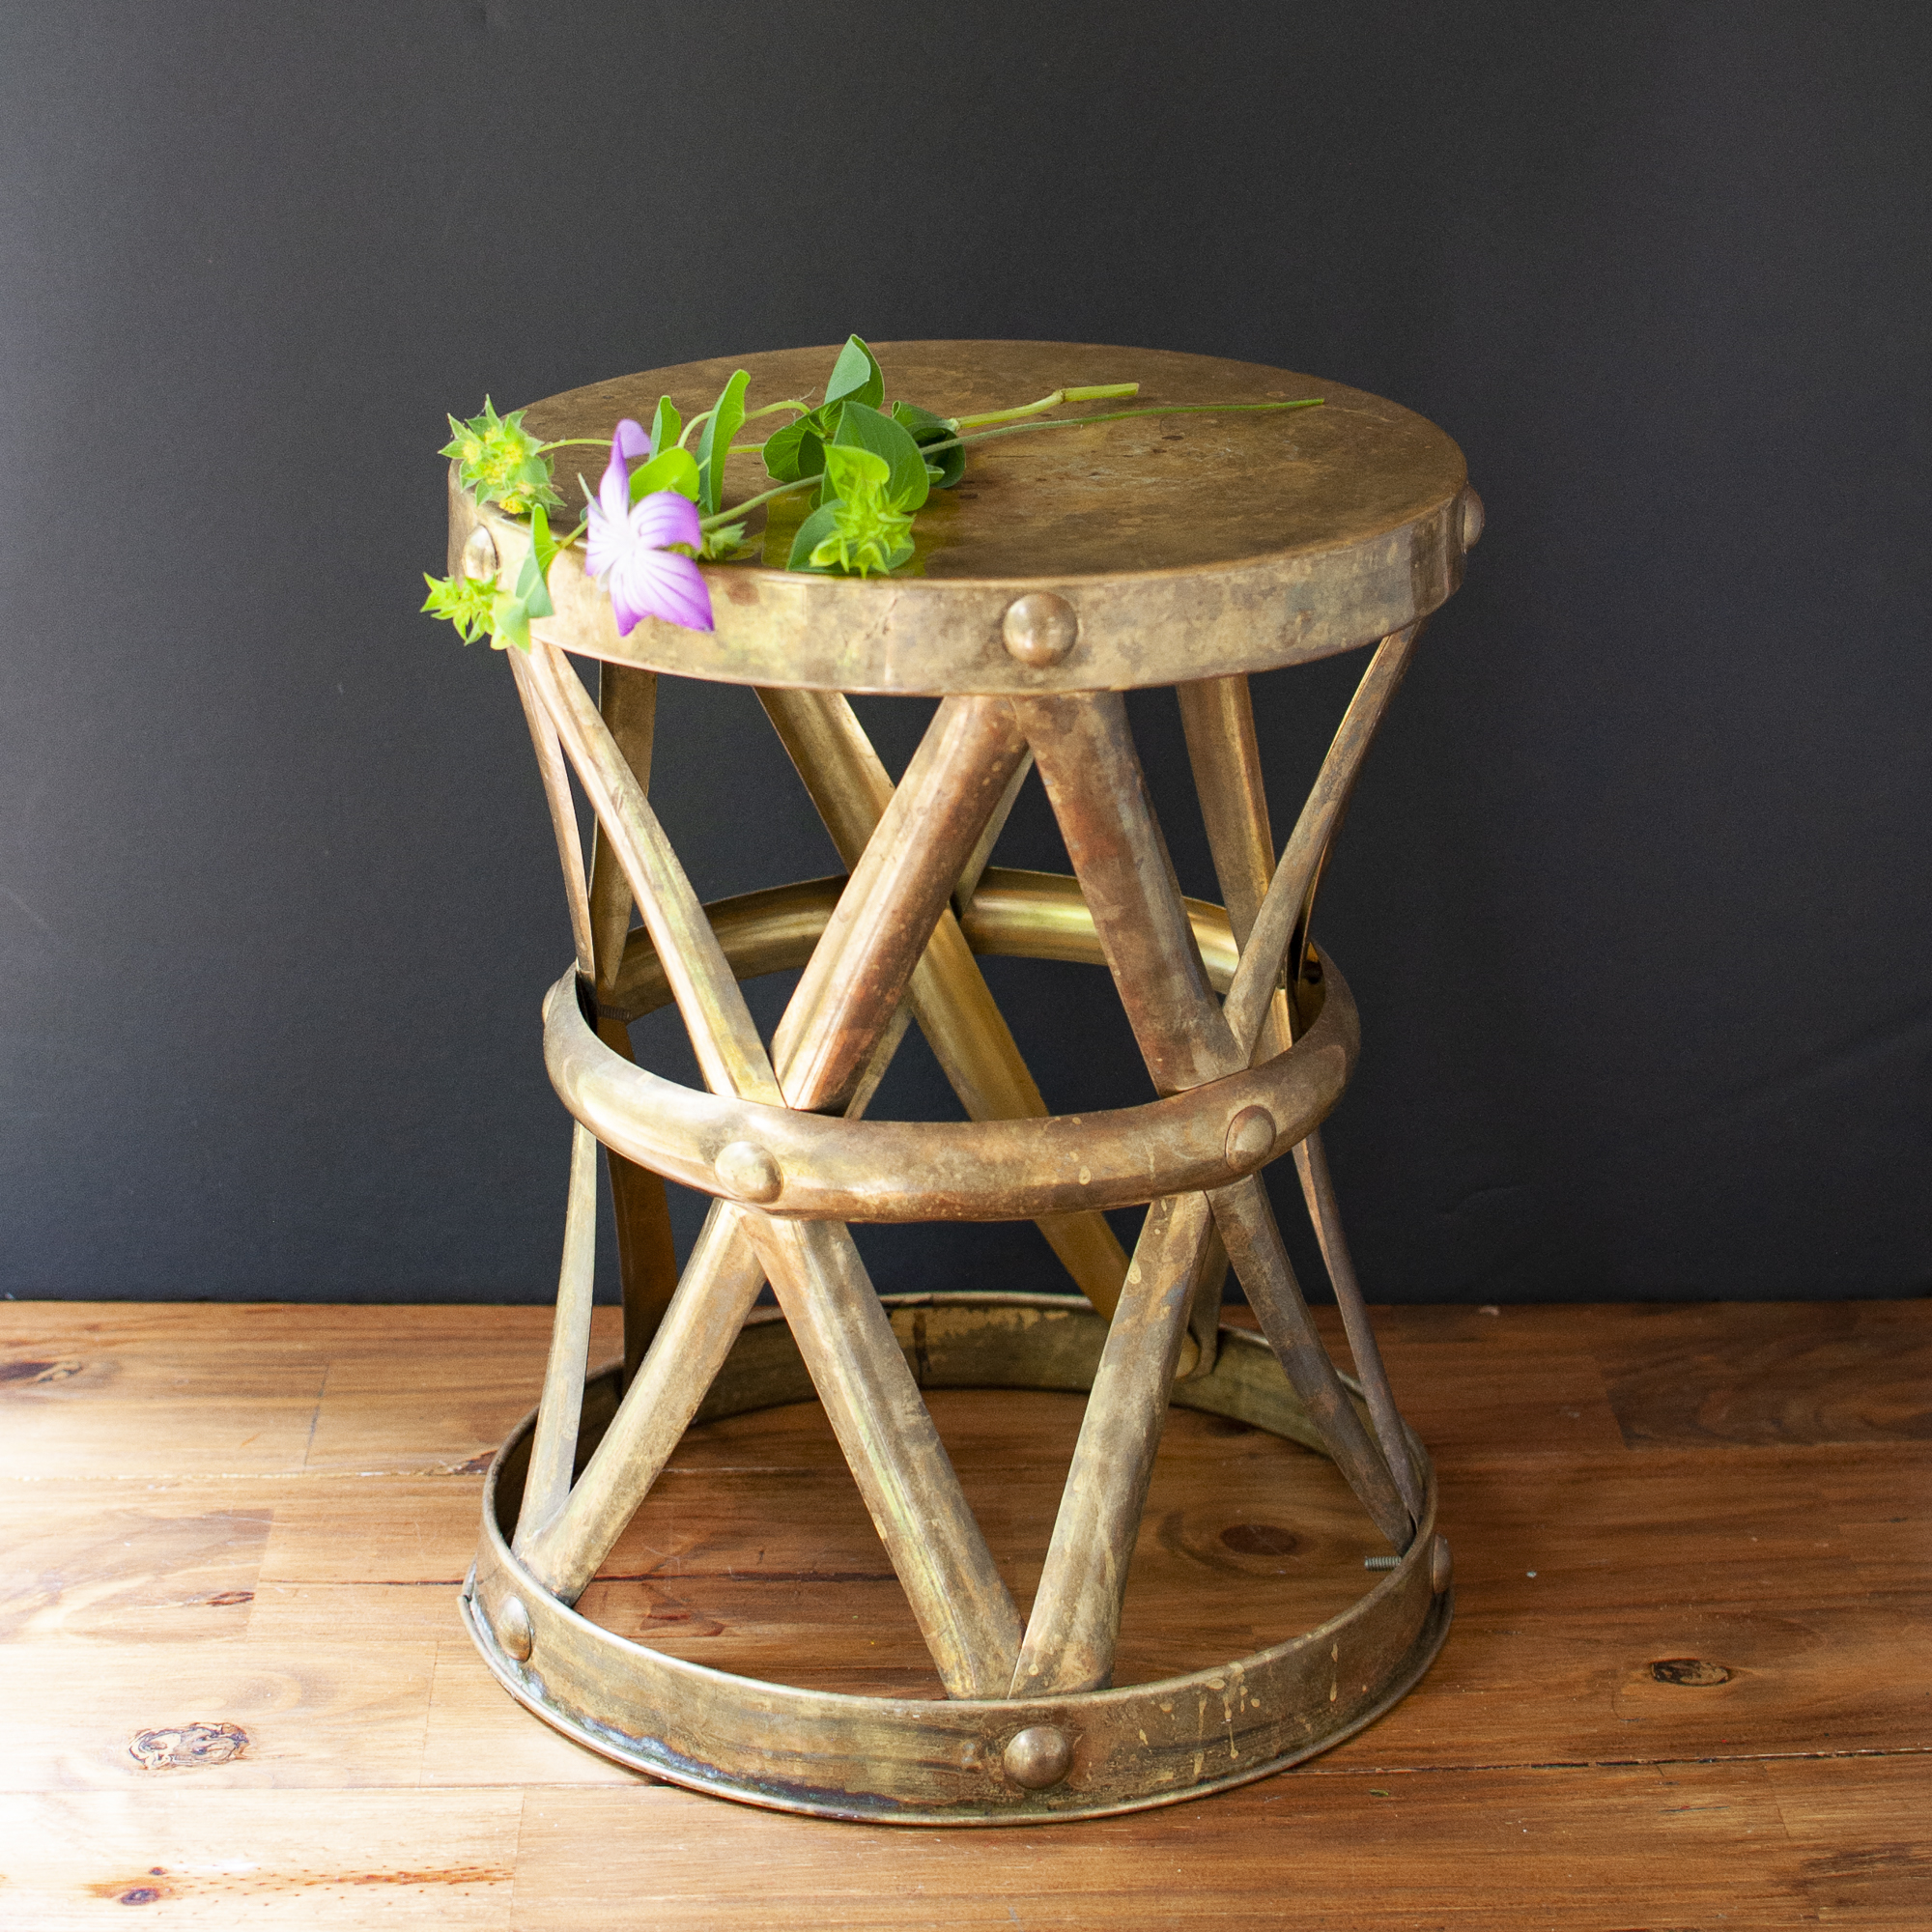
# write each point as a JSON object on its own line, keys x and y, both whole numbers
{"x": 220, "y": 1859}
{"x": 1709, "y": 1706}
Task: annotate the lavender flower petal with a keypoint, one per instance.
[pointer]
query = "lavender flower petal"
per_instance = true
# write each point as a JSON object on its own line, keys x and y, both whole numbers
{"x": 659, "y": 583}
{"x": 665, "y": 517}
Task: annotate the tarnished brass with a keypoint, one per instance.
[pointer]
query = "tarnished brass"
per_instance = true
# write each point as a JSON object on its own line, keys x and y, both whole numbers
{"x": 900, "y": 886}
{"x": 889, "y": 1440}
{"x": 512, "y": 1629}
{"x": 746, "y": 1172}
{"x": 717, "y": 1291}
{"x": 915, "y": 1761}
{"x": 556, "y": 777}
{"x": 1334, "y": 529}
{"x": 864, "y": 1169}
{"x": 947, "y": 995}
{"x": 1218, "y": 717}
{"x": 554, "y": 1447}
{"x": 1039, "y": 1757}
{"x": 479, "y": 554}
{"x": 646, "y": 1253}
{"x": 1040, "y": 629}
{"x": 1250, "y": 1137}
{"x": 1076, "y": 1610}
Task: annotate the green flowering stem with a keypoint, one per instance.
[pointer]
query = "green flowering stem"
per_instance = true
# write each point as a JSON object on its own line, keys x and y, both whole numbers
{"x": 1120, "y": 415}
{"x": 696, "y": 422}
{"x": 1095, "y": 393}
{"x": 733, "y": 511}
{"x": 703, "y": 416}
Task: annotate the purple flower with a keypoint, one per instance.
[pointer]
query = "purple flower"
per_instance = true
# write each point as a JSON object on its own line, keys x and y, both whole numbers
{"x": 625, "y": 544}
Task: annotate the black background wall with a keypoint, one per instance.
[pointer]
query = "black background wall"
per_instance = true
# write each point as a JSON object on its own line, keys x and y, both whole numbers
{"x": 1633, "y": 895}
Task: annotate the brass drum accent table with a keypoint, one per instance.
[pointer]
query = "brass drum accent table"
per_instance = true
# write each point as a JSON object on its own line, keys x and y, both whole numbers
{"x": 1072, "y": 565}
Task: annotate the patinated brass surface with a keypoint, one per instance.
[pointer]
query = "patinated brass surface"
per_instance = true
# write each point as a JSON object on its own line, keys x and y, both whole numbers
{"x": 1184, "y": 547}
{"x": 835, "y": 1167}
{"x": 920, "y": 1762}
{"x": 1067, "y": 568}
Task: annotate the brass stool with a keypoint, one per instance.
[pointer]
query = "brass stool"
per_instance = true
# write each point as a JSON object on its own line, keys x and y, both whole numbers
{"x": 1067, "y": 570}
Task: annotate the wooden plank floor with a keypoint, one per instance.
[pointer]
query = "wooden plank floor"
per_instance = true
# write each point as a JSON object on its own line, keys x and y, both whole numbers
{"x": 1690, "y": 1683}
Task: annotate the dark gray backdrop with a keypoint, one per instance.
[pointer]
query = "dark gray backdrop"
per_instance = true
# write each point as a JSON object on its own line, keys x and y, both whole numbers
{"x": 1633, "y": 895}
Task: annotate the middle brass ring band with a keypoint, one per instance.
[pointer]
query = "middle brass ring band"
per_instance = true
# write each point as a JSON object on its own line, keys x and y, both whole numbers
{"x": 832, "y": 1169}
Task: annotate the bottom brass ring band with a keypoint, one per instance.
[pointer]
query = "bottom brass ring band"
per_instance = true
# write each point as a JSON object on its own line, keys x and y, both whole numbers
{"x": 938, "y": 1762}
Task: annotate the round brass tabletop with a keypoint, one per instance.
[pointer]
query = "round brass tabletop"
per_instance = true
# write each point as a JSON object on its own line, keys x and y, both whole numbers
{"x": 1186, "y": 545}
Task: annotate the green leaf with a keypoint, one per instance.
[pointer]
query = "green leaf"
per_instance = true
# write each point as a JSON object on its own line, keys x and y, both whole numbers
{"x": 715, "y": 438}
{"x": 467, "y": 602}
{"x": 851, "y": 467}
{"x": 666, "y": 425}
{"x": 724, "y": 541}
{"x": 794, "y": 451}
{"x": 500, "y": 461}
{"x": 532, "y": 592}
{"x": 906, "y": 482}
{"x": 817, "y": 528}
{"x": 509, "y": 622}
{"x": 927, "y": 429}
{"x": 861, "y": 531}
{"x": 857, "y": 374}
{"x": 543, "y": 545}
{"x": 673, "y": 469}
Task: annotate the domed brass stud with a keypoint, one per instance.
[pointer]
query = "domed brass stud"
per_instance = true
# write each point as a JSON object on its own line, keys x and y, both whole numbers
{"x": 1040, "y": 629}
{"x": 512, "y": 1625}
{"x": 1472, "y": 519}
{"x": 748, "y": 1172}
{"x": 479, "y": 554}
{"x": 1039, "y": 1757}
{"x": 1441, "y": 1565}
{"x": 1250, "y": 1137}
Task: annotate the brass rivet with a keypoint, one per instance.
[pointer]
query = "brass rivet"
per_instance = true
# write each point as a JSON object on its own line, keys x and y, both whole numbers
{"x": 1472, "y": 519}
{"x": 1040, "y": 629}
{"x": 1039, "y": 1757}
{"x": 479, "y": 554}
{"x": 748, "y": 1173}
{"x": 1250, "y": 1137}
{"x": 512, "y": 1625}
{"x": 1441, "y": 1565}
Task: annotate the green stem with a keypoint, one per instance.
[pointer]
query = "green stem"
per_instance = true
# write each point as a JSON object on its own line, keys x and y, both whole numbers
{"x": 1093, "y": 393}
{"x": 565, "y": 543}
{"x": 1121, "y": 416}
{"x": 736, "y": 510}
{"x": 571, "y": 441}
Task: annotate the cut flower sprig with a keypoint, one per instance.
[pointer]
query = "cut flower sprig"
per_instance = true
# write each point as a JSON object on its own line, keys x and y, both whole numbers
{"x": 870, "y": 467}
